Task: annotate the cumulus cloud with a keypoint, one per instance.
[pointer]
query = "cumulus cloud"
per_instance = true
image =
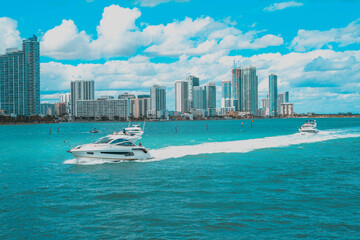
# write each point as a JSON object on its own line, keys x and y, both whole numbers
{"x": 65, "y": 42}
{"x": 315, "y": 39}
{"x": 282, "y": 5}
{"x": 321, "y": 64}
{"x": 10, "y": 36}
{"x": 118, "y": 35}
{"x": 153, "y": 3}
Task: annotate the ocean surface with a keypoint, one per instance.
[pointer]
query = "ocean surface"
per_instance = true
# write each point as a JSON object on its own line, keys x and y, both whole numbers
{"x": 208, "y": 180}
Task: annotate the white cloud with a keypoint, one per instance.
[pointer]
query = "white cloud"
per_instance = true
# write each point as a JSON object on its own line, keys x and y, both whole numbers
{"x": 117, "y": 32}
{"x": 10, "y": 36}
{"x": 65, "y": 42}
{"x": 203, "y": 36}
{"x": 153, "y": 3}
{"x": 118, "y": 35}
{"x": 282, "y": 5}
{"x": 315, "y": 39}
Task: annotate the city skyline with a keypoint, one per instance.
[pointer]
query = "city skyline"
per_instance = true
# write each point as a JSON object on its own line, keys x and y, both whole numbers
{"x": 171, "y": 47}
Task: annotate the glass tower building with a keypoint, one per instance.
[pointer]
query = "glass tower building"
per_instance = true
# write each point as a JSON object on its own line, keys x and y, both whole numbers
{"x": 226, "y": 94}
{"x": 249, "y": 90}
{"x": 20, "y": 79}
{"x": 157, "y": 101}
{"x": 210, "y": 89}
{"x": 236, "y": 88}
{"x": 199, "y": 98}
{"x": 273, "y": 95}
{"x": 192, "y": 82}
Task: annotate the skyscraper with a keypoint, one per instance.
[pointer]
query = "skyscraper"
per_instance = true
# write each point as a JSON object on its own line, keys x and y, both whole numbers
{"x": 273, "y": 95}
{"x": 130, "y": 104}
{"x": 280, "y": 100}
{"x": 81, "y": 90}
{"x": 192, "y": 82}
{"x": 157, "y": 101}
{"x": 20, "y": 79}
{"x": 286, "y": 97}
{"x": 236, "y": 88}
{"x": 66, "y": 99}
{"x": 199, "y": 98}
{"x": 226, "y": 94}
{"x": 210, "y": 89}
{"x": 249, "y": 90}
{"x": 181, "y": 96}
{"x": 141, "y": 105}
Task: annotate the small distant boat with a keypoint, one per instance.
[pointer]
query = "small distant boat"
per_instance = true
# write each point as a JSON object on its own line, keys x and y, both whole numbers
{"x": 309, "y": 128}
{"x": 94, "y": 131}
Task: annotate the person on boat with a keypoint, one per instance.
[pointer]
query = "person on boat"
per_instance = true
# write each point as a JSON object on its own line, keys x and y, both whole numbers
{"x": 139, "y": 144}
{"x": 123, "y": 130}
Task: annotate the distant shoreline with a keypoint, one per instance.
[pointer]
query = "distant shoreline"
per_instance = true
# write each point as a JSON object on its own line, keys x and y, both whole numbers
{"x": 176, "y": 120}
{"x": 27, "y": 123}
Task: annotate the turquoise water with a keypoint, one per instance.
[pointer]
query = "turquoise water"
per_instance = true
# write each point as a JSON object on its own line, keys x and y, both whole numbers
{"x": 229, "y": 181}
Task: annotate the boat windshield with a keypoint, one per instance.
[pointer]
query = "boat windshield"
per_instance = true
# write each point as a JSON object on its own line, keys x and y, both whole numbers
{"x": 104, "y": 140}
{"x": 119, "y": 140}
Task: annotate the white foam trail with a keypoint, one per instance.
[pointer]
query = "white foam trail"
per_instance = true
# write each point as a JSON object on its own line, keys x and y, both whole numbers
{"x": 240, "y": 146}
{"x": 243, "y": 146}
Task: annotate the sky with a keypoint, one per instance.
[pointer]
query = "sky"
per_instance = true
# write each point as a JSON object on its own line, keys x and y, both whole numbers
{"x": 129, "y": 45}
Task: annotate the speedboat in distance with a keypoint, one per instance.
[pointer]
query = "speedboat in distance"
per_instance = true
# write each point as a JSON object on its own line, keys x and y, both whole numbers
{"x": 94, "y": 131}
{"x": 309, "y": 128}
{"x": 119, "y": 146}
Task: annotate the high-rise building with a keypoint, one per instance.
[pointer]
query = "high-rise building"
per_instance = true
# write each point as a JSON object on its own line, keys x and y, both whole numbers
{"x": 226, "y": 94}
{"x": 249, "y": 90}
{"x": 103, "y": 107}
{"x": 280, "y": 100}
{"x": 47, "y": 109}
{"x": 192, "y": 82}
{"x": 65, "y": 98}
{"x": 287, "y": 97}
{"x": 273, "y": 95}
{"x": 264, "y": 103}
{"x": 81, "y": 90}
{"x": 264, "y": 107}
{"x": 20, "y": 79}
{"x": 181, "y": 96}
{"x": 128, "y": 97}
{"x": 210, "y": 89}
{"x": 287, "y": 109}
{"x": 60, "y": 108}
{"x": 157, "y": 102}
{"x": 141, "y": 105}
{"x": 236, "y": 88}
{"x": 199, "y": 98}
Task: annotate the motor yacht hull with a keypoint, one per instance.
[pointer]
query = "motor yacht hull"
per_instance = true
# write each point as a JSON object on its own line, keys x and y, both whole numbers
{"x": 311, "y": 131}
{"x": 110, "y": 154}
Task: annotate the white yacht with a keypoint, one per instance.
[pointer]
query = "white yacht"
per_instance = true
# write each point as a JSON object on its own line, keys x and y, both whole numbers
{"x": 309, "y": 127}
{"x": 115, "y": 147}
{"x": 134, "y": 130}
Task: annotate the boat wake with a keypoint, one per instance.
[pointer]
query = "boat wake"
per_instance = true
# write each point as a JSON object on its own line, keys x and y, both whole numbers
{"x": 239, "y": 146}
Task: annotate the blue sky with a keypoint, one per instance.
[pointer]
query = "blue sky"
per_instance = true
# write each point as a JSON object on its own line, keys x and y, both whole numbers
{"x": 128, "y": 45}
